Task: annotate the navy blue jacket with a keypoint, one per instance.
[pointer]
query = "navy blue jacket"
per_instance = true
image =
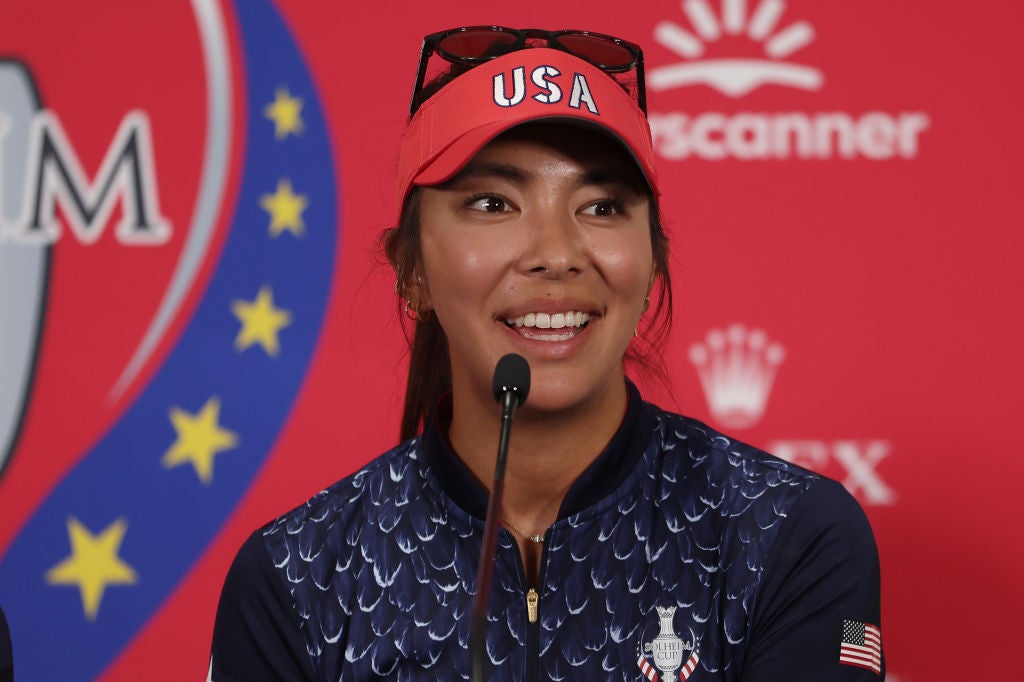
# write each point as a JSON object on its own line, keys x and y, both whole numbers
{"x": 678, "y": 554}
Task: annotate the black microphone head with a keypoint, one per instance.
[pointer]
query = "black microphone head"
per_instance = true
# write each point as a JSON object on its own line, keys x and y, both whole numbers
{"x": 512, "y": 373}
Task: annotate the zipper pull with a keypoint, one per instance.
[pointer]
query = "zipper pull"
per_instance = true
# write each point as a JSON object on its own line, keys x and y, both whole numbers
{"x": 531, "y": 605}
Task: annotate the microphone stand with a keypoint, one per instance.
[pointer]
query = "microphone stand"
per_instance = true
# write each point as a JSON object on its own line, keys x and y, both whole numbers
{"x": 485, "y": 571}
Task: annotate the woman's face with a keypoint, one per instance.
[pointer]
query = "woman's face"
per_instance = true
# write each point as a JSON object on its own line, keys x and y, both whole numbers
{"x": 540, "y": 246}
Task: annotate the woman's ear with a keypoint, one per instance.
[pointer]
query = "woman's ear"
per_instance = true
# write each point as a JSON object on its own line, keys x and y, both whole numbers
{"x": 650, "y": 286}
{"x": 416, "y": 292}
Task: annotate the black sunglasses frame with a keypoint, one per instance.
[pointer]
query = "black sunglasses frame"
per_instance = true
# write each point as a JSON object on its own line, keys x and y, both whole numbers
{"x": 432, "y": 42}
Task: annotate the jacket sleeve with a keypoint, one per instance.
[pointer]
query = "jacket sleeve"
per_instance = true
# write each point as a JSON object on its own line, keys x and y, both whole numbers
{"x": 257, "y": 634}
{"x": 821, "y": 588}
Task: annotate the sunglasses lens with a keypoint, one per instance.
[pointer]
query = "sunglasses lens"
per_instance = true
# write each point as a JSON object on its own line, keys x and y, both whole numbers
{"x": 477, "y": 43}
{"x": 468, "y": 47}
{"x": 600, "y": 51}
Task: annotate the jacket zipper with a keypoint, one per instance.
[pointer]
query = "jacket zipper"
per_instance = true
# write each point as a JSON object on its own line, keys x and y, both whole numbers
{"x": 533, "y": 617}
{"x": 531, "y": 605}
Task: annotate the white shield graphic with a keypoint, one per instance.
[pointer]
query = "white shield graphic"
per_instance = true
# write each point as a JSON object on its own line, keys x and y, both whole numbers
{"x": 24, "y": 268}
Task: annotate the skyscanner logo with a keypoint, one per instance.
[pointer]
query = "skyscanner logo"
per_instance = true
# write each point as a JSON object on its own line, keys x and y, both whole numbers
{"x": 713, "y": 136}
{"x": 735, "y": 77}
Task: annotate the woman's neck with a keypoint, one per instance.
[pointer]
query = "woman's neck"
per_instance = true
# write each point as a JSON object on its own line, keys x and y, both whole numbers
{"x": 547, "y": 452}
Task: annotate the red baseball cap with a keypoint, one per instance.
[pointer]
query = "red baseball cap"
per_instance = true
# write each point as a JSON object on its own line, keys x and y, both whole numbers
{"x": 526, "y": 85}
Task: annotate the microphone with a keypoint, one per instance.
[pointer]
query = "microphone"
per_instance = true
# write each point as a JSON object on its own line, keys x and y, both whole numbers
{"x": 511, "y": 386}
{"x": 511, "y": 377}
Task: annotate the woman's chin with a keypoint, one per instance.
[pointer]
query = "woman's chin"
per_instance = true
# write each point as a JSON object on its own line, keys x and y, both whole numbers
{"x": 551, "y": 399}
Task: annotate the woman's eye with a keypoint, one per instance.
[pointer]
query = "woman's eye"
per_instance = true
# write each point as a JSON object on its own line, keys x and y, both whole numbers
{"x": 488, "y": 204}
{"x": 604, "y": 208}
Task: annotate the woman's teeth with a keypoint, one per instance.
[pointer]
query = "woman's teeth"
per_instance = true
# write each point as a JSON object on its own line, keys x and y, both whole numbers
{"x": 546, "y": 321}
{"x": 570, "y": 321}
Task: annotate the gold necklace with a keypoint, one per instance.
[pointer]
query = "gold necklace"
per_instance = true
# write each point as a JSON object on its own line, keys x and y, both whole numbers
{"x": 535, "y": 537}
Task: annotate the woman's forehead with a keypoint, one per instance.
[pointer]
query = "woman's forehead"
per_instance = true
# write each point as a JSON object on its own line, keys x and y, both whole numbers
{"x": 595, "y": 152}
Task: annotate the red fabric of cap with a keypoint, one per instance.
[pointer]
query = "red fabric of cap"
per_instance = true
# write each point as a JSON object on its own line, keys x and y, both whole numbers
{"x": 527, "y": 85}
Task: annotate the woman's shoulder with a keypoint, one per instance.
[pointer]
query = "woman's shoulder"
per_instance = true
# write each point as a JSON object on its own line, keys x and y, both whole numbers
{"x": 289, "y": 566}
{"x": 373, "y": 484}
{"x": 725, "y": 489}
{"x": 704, "y": 446}
{"x": 338, "y": 513}
{"x": 734, "y": 479}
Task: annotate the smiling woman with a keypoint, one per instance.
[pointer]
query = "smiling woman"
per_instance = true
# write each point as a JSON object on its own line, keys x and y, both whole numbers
{"x": 535, "y": 228}
{"x": 635, "y": 541}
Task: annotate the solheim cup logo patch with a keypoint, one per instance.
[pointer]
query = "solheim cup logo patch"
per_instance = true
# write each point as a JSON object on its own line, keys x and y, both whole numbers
{"x": 666, "y": 653}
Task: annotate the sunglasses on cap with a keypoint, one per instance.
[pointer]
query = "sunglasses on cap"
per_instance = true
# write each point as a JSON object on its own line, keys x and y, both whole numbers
{"x": 471, "y": 46}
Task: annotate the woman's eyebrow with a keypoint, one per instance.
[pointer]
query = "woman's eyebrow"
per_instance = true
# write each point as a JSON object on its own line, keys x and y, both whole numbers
{"x": 602, "y": 175}
{"x": 487, "y": 170}
{"x": 613, "y": 175}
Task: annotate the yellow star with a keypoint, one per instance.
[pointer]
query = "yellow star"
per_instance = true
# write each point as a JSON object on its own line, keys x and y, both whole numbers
{"x": 200, "y": 437}
{"x": 261, "y": 322}
{"x": 93, "y": 563}
{"x": 285, "y": 209}
{"x": 286, "y": 113}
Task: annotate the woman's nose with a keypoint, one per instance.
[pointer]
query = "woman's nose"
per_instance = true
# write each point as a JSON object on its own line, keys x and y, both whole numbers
{"x": 554, "y": 247}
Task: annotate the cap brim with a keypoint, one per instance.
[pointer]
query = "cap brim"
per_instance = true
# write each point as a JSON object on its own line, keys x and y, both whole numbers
{"x": 453, "y": 158}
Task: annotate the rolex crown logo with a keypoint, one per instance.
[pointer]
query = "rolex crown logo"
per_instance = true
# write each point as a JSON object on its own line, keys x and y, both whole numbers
{"x": 737, "y": 367}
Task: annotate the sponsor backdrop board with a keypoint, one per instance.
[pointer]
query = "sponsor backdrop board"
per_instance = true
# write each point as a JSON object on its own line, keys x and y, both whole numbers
{"x": 196, "y": 332}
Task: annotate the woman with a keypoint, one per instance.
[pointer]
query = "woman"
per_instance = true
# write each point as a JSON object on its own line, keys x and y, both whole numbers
{"x": 636, "y": 543}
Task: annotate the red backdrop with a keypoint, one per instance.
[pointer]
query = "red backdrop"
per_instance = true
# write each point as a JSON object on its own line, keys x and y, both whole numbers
{"x": 841, "y": 190}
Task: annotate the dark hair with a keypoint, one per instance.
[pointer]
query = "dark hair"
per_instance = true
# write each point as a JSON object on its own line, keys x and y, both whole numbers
{"x": 430, "y": 374}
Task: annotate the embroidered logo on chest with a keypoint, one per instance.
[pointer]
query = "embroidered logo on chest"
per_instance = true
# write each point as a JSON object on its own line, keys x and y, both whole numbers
{"x": 661, "y": 650}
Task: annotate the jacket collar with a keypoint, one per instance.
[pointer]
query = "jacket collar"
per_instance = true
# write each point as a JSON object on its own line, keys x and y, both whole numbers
{"x": 598, "y": 480}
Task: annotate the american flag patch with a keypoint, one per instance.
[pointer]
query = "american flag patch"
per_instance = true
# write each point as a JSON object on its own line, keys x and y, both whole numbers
{"x": 861, "y": 646}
